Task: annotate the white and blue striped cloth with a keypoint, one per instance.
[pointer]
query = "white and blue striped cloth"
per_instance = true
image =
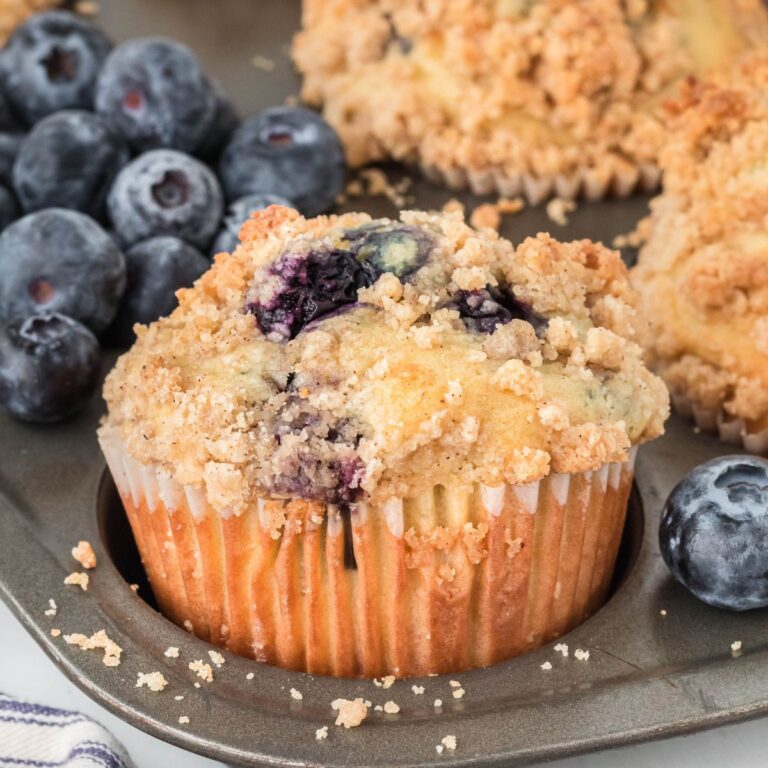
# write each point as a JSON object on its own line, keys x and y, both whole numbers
{"x": 35, "y": 736}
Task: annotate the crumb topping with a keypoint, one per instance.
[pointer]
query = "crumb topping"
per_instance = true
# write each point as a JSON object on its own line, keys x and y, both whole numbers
{"x": 352, "y": 712}
{"x": 79, "y": 579}
{"x": 465, "y": 360}
{"x": 84, "y": 554}
{"x": 97, "y": 641}
{"x": 171, "y": 652}
{"x": 202, "y": 670}
{"x": 537, "y": 89}
{"x": 152, "y": 680}
{"x": 703, "y": 273}
{"x": 52, "y": 608}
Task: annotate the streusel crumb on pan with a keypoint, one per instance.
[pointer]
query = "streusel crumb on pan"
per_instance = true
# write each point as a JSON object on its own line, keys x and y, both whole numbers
{"x": 384, "y": 448}
{"x": 703, "y": 273}
{"x": 521, "y": 96}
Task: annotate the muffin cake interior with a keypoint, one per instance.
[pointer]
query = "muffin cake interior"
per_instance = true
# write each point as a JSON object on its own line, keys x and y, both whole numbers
{"x": 343, "y": 358}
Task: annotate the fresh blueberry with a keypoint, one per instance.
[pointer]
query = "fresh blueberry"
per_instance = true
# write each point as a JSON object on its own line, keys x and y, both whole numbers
{"x": 225, "y": 123}
{"x": 165, "y": 192}
{"x": 50, "y": 63}
{"x": 714, "y": 532}
{"x": 397, "y": 248}
{"x": 49, "y": 367}
{"x": 59, "y": 260}
{"x": 305, "y": 287}
{"x": 285, "y": 151}
{"x": 154, "y": 93}
{"x": 157, "y": 268}
{"x": 9, "y": 209}
{"x": 10, "y": 145}
{"x": 69, "y": 160}
{"x": 237, "y": 214}
{"x": 485, "y": 309}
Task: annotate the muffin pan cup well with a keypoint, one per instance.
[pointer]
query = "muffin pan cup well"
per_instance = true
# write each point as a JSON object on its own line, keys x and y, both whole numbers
{"x": 648, "y": 675}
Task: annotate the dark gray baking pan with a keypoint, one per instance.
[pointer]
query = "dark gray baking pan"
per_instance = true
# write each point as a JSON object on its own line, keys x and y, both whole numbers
{"x": 648, "y": 674}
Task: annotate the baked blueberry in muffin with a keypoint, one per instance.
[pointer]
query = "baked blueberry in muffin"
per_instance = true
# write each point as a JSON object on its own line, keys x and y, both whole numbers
{"x": 360, "y": 418}
{"x": 517, "y": 96}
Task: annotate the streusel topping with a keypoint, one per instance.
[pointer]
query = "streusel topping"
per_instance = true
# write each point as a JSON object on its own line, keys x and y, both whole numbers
{"x": 343, "y": 358}
{"x": 703, "y": 273}
{"x": 532, "y": 87}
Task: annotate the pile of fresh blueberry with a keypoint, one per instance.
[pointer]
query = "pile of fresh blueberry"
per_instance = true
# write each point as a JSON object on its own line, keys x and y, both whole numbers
{"x": 121, "y": 171}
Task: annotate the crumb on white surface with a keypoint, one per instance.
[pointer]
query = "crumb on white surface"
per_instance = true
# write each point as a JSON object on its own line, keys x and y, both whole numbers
{"x": 84, "y": 554}
{"x": 418, "y": 690}
{"x": 183, "y": 720}
{"x": 97, "y": 641}
{"x": 581, "y": 655}
{"x": 296, "y": 695}
{"x": 562, "y": 648}
{"x": 321, "y": 733}
{"x": 558, "y": 209}
{"x": 152, "y": 680}
{"x": 216, "y": 658}
{"x": 391, "y": 708}
{"x": 202, "y": 670}
{"x": 52, "y": 608}
{"x": 352, "y": 712}
{"x": 171, "y": 652}
{"x": 78, "y": 578}
{"x": 546, "y": 666}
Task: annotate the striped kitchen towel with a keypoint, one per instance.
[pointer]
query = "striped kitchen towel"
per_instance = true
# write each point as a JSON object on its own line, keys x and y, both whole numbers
{"x": 42, "y": 737}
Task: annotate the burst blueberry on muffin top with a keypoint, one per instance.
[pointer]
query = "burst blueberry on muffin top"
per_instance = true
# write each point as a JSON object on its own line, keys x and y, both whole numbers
{"x": 521, "y": 95}
{"x": 344, "y": 358}
{"x": 703, "y": 272}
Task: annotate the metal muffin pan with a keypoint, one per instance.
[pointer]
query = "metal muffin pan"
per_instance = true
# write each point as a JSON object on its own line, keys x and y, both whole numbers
{"x": 648, "y": 675}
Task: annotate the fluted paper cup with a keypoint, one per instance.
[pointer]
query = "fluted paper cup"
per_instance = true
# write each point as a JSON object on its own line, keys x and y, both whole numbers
{"x": 455, "y": 578}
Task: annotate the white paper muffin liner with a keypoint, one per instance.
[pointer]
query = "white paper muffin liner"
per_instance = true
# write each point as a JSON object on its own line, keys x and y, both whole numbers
{"x": 449, "y": 580}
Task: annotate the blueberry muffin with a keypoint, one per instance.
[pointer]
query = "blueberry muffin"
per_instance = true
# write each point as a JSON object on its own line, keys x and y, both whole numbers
{"x": 703, "y": 271}
{"x": 517, "y": 96}
{"x": 363, "y": 447}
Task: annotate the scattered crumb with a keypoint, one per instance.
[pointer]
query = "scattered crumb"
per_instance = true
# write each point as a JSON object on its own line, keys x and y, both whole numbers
{"x": 736, "y": 647}
{"x": 171, "y": 652}
{"x": 558, "y": 209}
{"x": 183, "y": 720}
{"x": 562, "y": 648}
{"x": 378, "y": 708}
{"x": 632, "y": 239}
{"x": 581, "y": 655}
{"x": 134, "y": 587}
{"x": 510, "y": 204}
{"x": 391, "y": 708}
{"x": 98, "y": 640}
{"x": 249, "y": 676}
{"x": 453, "y": 206}
{"x": 485, "y": 216}
{"x": 417, "y": 689}
{"x": 438, "y": 702}
{"x": 180, "y": 697}
{"x": 388, "y": 681}
{"x": 458, "y": 693}
{"x": 87, "y": 7}
{"x": 449, "y": 741}
{"x": 197, "y": 685}
{"x": 663, "y": 612}
{"x": 697, "y": 430}
{"x": 55, "y": 632}
{"x": 80, "y": 578}
{"x": 52, "y": 608}
{"x": 84, "y": 554}
{"x": 351, "y": 712}
{"x": 374, "y": 182}
{"x": 188, "y": 625}
{"x": 152, "y": 680}
{"x": 202, "y": 670}
{"x": 291, "y": 100}
{"x": 216, "y": 658}
{"x": 454, "y": 684}
{"x": 263, "y": 63}
{"x": 546, "y": 666}
{"x": 297, "y": 695}
{"x": 321, "y": 733}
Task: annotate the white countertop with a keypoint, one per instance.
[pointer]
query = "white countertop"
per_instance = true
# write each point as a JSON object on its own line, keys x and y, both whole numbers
{"x": 25, "y": 671}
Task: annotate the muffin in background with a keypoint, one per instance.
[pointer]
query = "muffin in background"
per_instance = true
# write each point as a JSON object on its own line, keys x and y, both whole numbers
{"x": 703, "y": 271}
{"x": 13, "y": 12}
{"x": 533, "y": 97}
{"x": 363, "y": 447}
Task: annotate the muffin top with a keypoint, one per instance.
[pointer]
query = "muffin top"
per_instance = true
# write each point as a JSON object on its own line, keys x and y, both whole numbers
{"x": 703, "y": 272}
{"x": 533, "y": 87}
{"x": 343, "y": 358}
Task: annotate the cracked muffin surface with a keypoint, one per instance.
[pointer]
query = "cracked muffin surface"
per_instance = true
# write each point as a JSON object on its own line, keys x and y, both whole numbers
{"x": 344, "y": 358}
{"x": 703, "y": 272}
{"x": 521, "y": 95}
